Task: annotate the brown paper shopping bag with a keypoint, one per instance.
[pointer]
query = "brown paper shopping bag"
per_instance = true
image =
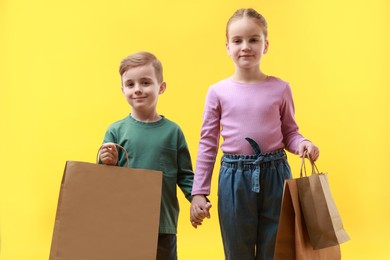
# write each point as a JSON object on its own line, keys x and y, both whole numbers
{"x": 107, "y": 212}
{"x": 292, "y": 240}
{"x": 321, "y": 216}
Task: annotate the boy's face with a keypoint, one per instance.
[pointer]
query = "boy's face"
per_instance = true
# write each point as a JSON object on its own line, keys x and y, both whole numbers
{"x": 246, "y": 43}
{"x": 141, "y": 88}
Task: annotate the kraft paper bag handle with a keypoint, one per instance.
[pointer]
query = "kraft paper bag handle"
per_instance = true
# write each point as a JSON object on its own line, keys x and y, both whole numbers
{"x": 121, "y": 147}
{"x": 314, "y": 169}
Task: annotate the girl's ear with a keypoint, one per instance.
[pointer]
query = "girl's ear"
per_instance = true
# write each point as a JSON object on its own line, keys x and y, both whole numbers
{"x": 227, "y": 48}
{"x": 266, "y": 47}
{"x": 163, "y": 87}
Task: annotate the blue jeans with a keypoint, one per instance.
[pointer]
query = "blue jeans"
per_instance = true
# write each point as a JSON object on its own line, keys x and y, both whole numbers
{"x": 249, "y": 200}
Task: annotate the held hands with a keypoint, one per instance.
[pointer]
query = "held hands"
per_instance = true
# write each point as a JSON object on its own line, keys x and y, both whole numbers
{"x": 109, "y": 154}
{"x": 199, "y": 210}
{"x": 312, "y": 150}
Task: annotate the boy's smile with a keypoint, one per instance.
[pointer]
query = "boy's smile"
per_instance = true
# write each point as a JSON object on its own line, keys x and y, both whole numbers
{"x": 139, "y": 98}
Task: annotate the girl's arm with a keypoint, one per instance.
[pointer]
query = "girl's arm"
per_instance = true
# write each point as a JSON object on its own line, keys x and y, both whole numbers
{"x": 293, "y": 140}
{"x": 208, "y": 145}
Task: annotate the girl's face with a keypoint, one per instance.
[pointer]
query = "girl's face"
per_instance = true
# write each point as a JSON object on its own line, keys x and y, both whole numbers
{"x": 246, "y": 43}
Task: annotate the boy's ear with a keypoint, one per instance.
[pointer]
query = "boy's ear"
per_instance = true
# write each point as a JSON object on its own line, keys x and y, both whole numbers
{"x": 163, "y": 87}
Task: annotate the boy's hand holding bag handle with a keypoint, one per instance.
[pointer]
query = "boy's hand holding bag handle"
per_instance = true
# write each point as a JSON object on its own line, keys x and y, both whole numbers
{"x": 107, "y": 212}
{"x": 320, "y": 213}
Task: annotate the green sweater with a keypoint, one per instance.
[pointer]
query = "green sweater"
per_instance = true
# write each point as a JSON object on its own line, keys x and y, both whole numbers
{"x": 157, "y": 146}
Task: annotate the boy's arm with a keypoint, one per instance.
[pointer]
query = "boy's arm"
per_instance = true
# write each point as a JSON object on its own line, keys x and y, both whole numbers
{"x": 185, "y": 174}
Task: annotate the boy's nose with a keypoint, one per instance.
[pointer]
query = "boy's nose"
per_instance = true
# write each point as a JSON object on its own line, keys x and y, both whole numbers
{"x": 137, "y": 89}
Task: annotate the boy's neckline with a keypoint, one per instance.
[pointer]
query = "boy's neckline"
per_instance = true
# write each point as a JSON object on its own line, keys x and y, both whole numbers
{"x": 155, "y": 119}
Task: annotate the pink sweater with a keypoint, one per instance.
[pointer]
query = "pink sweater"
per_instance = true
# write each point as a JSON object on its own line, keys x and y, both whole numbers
{"x": 262, "y": 111}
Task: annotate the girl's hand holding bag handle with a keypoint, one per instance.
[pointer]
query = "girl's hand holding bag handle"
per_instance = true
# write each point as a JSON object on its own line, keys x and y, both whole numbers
{"x": 319, "y": 210}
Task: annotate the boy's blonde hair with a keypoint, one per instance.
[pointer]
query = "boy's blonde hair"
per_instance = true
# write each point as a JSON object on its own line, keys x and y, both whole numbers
{"x": 141, "y": 59}
{"x": 249, "y": 13}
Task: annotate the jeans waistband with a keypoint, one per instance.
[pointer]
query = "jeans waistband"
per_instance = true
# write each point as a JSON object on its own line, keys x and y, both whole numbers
{"x": 253, "y": 161}
{"x": 255, "y": 158}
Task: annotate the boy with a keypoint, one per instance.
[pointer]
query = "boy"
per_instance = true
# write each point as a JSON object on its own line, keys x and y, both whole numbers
{"x": 152, "y": 142}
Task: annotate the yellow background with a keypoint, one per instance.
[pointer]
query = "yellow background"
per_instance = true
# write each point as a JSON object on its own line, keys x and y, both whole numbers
{"x": 59, "y": 86}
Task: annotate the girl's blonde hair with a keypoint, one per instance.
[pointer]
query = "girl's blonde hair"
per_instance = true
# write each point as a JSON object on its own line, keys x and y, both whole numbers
{"x": 142, "y": 59}
{"x": 249, "y": 13}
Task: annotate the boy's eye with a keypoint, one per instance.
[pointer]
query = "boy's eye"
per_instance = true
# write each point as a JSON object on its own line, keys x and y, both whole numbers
{"x": 129, "y": 84}
{"x": 254, "y": 40}
{"x": 145, "y": 83}
{"x": 236, "y": 41}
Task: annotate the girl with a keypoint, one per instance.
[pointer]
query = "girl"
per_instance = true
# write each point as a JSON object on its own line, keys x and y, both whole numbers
{"x": 254, "y": 113}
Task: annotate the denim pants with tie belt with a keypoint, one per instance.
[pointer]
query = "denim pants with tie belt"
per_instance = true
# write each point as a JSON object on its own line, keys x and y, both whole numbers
{"x": 249, "y": 200}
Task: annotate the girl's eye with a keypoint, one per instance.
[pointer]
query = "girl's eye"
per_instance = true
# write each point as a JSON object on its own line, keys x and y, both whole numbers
{"x": 255, "y": 40}
{"x": 236, "y": 41}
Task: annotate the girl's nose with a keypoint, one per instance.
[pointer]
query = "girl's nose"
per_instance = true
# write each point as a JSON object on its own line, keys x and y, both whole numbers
{"x": 245, "y": 46}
